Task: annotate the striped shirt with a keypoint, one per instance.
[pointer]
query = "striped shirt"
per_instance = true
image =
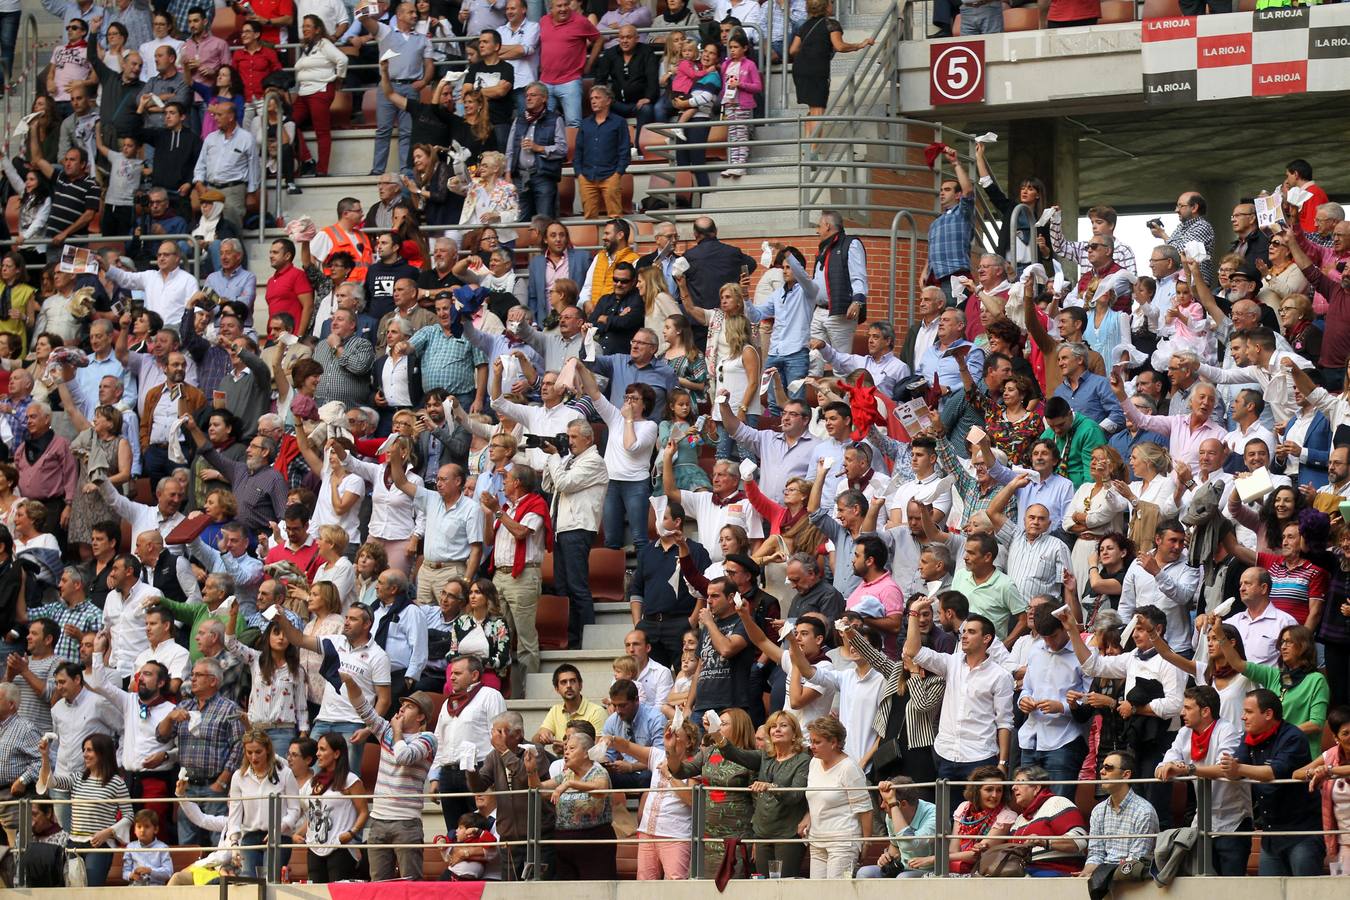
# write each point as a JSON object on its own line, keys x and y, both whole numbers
{"x": 37, "y": 710}
{"x": 91, "y": 813}
{"x": 70, "y": 200}
{"x": 1292, "y": 589}
{"x": 403, "y": 768}
{"x": 1135, "y": 816}
{"x": 1036, "y": 567}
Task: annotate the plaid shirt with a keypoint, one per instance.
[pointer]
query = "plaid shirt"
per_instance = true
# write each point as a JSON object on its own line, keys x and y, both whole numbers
{"x": 179, "y": 10}
{"x": 217, "y": 745}
{"x": 1196, "y": 229}
{"x": 1135, "y": 816}
{"x": 967, "y": 487}
{"x": 18, "y": 420}
{"x": 345, "y": 377}
{"x": 19, "y": 751}
{"x": 949, "y": 239}
{"x": 1077, "y": 251}
{"x": 447, "y": 362}
{"x": 85, "y": 616}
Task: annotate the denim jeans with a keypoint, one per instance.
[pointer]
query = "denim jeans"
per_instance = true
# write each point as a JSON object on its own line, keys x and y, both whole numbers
{"x": 1062, "y": 764}
{"x": 626, "y": 505}
{"x": 566, "y": 97}
{"x": 727, "y": 448}
{"x": 9, "y": 37}
{"x": 1291, "y": 856}
{"x": 452, "y": 780}
{"x": 645, "y": 115}
{"x": 387, "y": 115}
{"x": 191, "y": 834}
{"x": 538, "y": 196}
{"x": 1231, "y": 853}
{"x": 571, "y": 578}
{"x": 791, "y": 367}
{"x": 987, "y": 19}
{"x": 346, "y": 729}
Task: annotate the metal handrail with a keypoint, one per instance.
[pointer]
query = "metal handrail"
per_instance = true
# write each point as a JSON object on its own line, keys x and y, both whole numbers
{"x": 895, "y": 264}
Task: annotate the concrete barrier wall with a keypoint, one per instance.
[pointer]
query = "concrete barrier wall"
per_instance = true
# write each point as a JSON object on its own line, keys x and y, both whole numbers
{"x": 932, "y": 889}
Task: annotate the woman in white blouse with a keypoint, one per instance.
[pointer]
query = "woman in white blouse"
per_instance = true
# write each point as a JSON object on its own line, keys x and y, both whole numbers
{"x": 395, "y": 521}
{"x": 335, "y": 567}
{"x": 1155, "y": 484}
{"x": 841, "y": 816}
{"x": 335, "y": 813}
{"x": 1097, "y": 508}
{"x": 276, "y": 702}
{"x": 627, "y": 455}
{"x": 325, "y": 618}
{"x": 260, "y": 776}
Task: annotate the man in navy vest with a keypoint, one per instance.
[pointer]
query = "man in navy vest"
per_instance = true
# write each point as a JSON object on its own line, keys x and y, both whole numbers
{"x": 841, "y": 275}
{"x": 535, "y": 153}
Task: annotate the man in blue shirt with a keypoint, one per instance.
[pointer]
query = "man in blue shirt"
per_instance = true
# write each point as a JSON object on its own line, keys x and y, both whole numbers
{"x": 1051, "y": 737}
{"x": 601, "y": 157}
{"x": 661, "y": 602}
{"x": 949, "y": 235}
{"x": 791, "y": 310}
{"x": 1086, "y": 393}
{"x": 639, "y": 366}
{"x": 640, "y": 723}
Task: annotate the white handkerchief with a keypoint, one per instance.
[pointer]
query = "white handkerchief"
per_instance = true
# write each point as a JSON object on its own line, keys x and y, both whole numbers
{"x": 840, "y": 624}
{"x": 712, "y": 721}
{"x": 795, "y": 386}
{"x": 1225, "y": 607}
{"x": 195, "y": 719}
{"x": 987, "y": 138}
{"x": 678, "y": 720}
{"x": 1297, "y": 196}
{"x": 1046, "y": 216}
{"x": 679, "y": 267}
{"x": 271, "y": 612}
{"x": 748, "y": 469}
{"x": 1254, "y": 486}
{"x": 976, "y": 435}
{"x": 829, "y": 462}
{"x": 599, "y": 751}
{"x": 1196, "y": 251}
{"x": 1129, "y": 354}
{"x": 739, "y": 603}
{"x": 765, "y": 255}
{"x": 388, "y": 55}
{"x": 929, "y": 494}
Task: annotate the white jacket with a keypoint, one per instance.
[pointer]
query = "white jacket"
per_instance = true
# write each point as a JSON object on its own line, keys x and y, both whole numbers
{"x": 318, "y": 67}
{"x": 578, "y": 492}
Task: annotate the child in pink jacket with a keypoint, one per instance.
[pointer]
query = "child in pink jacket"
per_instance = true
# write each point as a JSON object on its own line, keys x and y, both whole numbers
{"x": 741, "y": 86}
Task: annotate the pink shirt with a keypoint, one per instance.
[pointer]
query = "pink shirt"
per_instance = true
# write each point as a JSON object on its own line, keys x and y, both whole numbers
{"x": 1183, "y": 440}
{"x": 892, "y": 601}
{"x": 210, "y": 52}
{"x": 563, "y": 48}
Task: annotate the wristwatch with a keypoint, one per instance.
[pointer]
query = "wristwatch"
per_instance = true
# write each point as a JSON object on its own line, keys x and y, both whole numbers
{"x": 1190, "y": 768}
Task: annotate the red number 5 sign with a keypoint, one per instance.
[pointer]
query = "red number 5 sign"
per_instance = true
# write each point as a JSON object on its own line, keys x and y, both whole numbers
{"x": 956, "y": 72}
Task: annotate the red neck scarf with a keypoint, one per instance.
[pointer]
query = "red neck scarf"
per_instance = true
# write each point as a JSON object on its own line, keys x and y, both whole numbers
{"x": 1251, "y": 740}
{"x": 458, "y": 700}
{"x": 530, "y": 503}
{"x": 733, "y": 497}
{"x": 862, "y": 483}
{"x": 1200, "y": 742}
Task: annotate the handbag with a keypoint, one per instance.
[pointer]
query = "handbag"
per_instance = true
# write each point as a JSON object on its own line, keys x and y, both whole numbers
{"x": 76, "y": 875}
{"x": 1006, "y": 860}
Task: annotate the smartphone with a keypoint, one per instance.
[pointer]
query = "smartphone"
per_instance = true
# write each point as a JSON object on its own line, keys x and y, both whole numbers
{"x": 700, "y": 423}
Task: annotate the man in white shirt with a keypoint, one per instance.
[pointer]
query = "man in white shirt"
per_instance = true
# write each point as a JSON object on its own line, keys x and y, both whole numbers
{"x": 859, "y": 686}
{"x": 577, "y": 483}
{"x": 463, "y": 735}
{"x": 975, "y": 725}
{"x": 805, "y": 699}
{"x": 520, "y": 47}
{"x": 161, "y": 648}
{"x": 1246, "y": 410}
{"x": 923, "y": 333}
{"x": 655, "y": 679}
{"x": 1269, "y": 368}
{"x": 627, "y": 456}
{"x": 167, "y": 289}
{"x": 1231, "y": 809}
{"x": 124, "y": 613}
{"x": 1051, "y": 737}
{"x": 354, "y": 653}
{"x": 923, "y": 460}
{"x": 713, "y": 510}
{"x": 1161, "y": 578}
{"x": 549, "y": 420}
{"x": 523, "y": 532}
{"x": 1261, "y": 622}
{"x": 76, "y": 714}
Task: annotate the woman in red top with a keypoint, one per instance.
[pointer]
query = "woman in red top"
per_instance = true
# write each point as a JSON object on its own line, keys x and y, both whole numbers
{"x": 788, "y": 519}
{"x": 253, "y": 62}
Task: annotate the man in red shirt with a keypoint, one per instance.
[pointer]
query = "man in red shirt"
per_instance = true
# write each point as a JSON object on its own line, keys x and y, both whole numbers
{"x": 288, "y": 290}
{"x": 297, "y": 547}
{"x": 253, "y": 62}
{"x": 568, "y": 46}
{"x": 1299, "y": 173}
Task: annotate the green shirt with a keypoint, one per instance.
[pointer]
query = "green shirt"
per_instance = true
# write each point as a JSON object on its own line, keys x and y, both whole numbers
{"x": 1306, "y": 702}
{"x": 998, "y": 599}
{"x": 1075, "y": 453}
{"x": 193, "y": 614}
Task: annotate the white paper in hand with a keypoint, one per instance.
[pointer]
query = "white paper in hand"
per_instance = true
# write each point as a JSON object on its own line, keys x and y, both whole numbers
{"x": 1046, "y": 216}
{"x": 712, "y": 722}
{"x": 1255, "y": 486}
{"x": 840, "y": 624}
{"x": 388, "y": 55}
{"x": 899, "y": 478}
{"x": 987, "y": 138}
{"x": 678, "y": 719}
{"x": 599, "y": 751}
{"x": 1196, "y": 251}
{"x": 795, "y": 386}
{"x": 766, "y": 255}
{"x": 828, "y": 461}
{"x": 679, "y": 267}
{"x": 194, "y": 721}
{"x": 976, "y": 435}
{"x": 1297, "y": 196}
{"x": 271, "y": 612}
{"x": 737, "y": 601}
{"x": 1129, "y": 354}
{"x": 1225, "y": 607}
{"x": 748, "y": 469}
{"x": 1062, "y": 612}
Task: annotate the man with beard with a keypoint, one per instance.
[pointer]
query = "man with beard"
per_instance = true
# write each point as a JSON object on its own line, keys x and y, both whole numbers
{"x": 259, "y": 489}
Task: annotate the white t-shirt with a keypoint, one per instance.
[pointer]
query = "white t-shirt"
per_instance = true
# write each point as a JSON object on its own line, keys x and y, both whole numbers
{"x": 665, "y": 814}
{"x": 324, "y": 514}
{"x": 368, "y": 667}
{"x": 834, "y": 813}
{"x": 172, "y": 655}
{"x": 818, "y": 707}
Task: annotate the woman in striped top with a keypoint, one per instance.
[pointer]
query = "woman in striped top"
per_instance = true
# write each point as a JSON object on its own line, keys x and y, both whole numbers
{"x": 94, "y": 821}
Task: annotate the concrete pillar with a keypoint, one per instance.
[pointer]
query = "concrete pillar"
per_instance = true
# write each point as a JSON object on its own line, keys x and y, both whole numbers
{"x": 1220, "y": 198}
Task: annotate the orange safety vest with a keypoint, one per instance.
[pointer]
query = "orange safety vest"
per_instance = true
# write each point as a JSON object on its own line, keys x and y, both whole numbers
{"x": 360, "y": 251}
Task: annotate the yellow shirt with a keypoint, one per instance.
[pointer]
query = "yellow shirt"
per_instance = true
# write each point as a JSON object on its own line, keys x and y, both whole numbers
{"x": 556, "y": 720}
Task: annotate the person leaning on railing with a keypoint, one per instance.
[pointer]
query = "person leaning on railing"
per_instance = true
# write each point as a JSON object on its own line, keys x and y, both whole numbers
{"x": 1326, "y": 775}
{"x": 585, "y": 818}
{"x": 727, "y": 814}
{"x": 504, "y": 775}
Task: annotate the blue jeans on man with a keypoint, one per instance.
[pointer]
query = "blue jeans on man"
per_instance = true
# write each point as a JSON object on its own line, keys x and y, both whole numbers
{"x": 211, "y": 803}
{"x": 566, "y": 97}
{"x": 538, "y": 196}
{"x": 1296, "y": 856}
{"x": 626, "y": 503}
{"x": 958, "y": 771}
{"x": 571, "y": 578}
{"x": 791, "y": 367}
{"x": 1063, "y": 764}
{"x": 387, "y": 115}
{"x": 984, "y": 19}
{"x": 1231, "y": 853}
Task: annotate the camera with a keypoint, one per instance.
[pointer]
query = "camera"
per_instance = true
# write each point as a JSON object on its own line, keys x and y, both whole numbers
{"x": 141, "y": 199}
{"x": 1154, "y": 223}
{"x": 557, "y": 441}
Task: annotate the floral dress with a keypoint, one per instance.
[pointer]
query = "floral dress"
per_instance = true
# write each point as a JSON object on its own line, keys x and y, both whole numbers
{"x": 1013, "y": 438}
{"x": 689, "y": 475}
{"x": 727, "y": 814}
{"x": 468, "y": 631}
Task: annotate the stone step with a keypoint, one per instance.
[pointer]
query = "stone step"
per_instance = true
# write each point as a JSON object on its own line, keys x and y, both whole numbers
{"x": 606, "y": 636}
{"x": 594, "y": 665}
{"x": 533, "y": 711}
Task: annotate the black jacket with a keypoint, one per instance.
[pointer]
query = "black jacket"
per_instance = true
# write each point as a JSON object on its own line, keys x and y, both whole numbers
{"x": 711, "y": 265}
{"x": 623, "y": 319}
{"x": 632, "y": 80}
{"x": 414, "y": 379}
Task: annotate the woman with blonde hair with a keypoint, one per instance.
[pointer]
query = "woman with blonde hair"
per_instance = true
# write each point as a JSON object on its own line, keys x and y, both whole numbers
{"x": 371, "y": 560}
{"x": 1097, "y": 508}
{"x": 1296, "y": 324}
{"x": 733, "y": 358}
{"x": 1154, "y": 495}
{"x": 334, "y": 567}
{"x": 841, "y": 808}
{"x": 782, "y": 764}
{"x": 260, "y": 777}
{"x": 727, "y": 814}
{"x": 396, "y": 523}
{"x": 490, "y": 197}
{"x": 324, "y": 605}
{"x": 657, "y": 302}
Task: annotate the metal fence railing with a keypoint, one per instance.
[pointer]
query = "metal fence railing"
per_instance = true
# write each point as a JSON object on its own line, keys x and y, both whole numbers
{"x": 278, "y": 846}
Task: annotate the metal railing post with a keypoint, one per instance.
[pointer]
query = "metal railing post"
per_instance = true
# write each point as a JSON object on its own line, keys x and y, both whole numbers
{"x": 895, "y": 262}
{"x": 1204, "y": 820}
{"x": 1018, "y": 211}
{"x": 533, "y": 822}
{"x": 696, "y": 833}
{"x": 272, "y": 855}
{"x": 24, "y": 837}
{"x": 943, "y": 815}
